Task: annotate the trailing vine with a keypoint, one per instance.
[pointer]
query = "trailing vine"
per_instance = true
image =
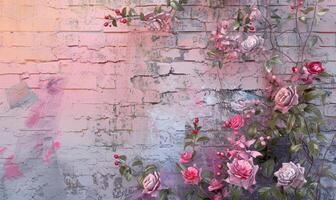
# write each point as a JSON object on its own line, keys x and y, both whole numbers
{"x": 287, "y": 115}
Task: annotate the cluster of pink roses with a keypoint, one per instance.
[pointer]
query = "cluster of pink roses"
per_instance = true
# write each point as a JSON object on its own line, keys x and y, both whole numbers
{"x": 241, "y": 169}
{"x": 234, "y": 44}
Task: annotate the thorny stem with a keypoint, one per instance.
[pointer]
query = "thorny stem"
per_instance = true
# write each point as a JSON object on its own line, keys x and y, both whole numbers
{"x": 310, "y": 31}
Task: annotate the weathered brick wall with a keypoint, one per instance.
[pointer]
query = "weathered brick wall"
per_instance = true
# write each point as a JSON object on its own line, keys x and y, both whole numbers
{"x": 124, "y": 89}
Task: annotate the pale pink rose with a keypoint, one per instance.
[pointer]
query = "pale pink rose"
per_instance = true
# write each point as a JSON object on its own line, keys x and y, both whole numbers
{"x": 186, "y": 157}
{"x": 242, "y": 173}
{"x": 158, "y": 22}
{"x": 151, "y": 183}
{"x": 290, "y": 175}
{"x": 215, "y": 185}
{"x": 251, "y": 44}
{"x": 236, "y": 122}
{"x": 255, "y": 13}
{"x": 217, "y": 197}
{"x": 191, "y": 175}
{"x": 286, "y": 98}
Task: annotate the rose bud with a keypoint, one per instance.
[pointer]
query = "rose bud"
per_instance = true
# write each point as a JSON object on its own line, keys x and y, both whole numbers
{"x": 117, "y": 11}
{"x": 315, "y": 67}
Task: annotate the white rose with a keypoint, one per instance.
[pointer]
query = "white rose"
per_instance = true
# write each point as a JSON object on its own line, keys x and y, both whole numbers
{"x": 290, "y": 175}
{"x": 251, "y": 43}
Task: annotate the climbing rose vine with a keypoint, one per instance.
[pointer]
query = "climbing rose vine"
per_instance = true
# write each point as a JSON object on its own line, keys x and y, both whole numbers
{"x": 286, "y": 117}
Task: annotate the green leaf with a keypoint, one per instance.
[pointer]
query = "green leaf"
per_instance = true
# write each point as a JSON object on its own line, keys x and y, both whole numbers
{"x": 325, "y": 75}
{"x": 137, "y": 163}
{"x": 313, "y": 109}
{"x": 142, "y": 16}
{"x": 186, "y": 144}
{"x": 303, "y": 19}
{"x": 122, "y": 170}
{"x": 326, "y": 172}
{"x": 235, "y": 193}
{"x": 180, "y": 167}
{"x": 291, "y": 122}
{"x": 311, "y": 95}
{"x": 128, "y": 174}
{"x": 124, "y": 12}
{"x": 140, "y": 179}
{"x": 176, "y": 5}
{"x": 295, "y": 148}
{"x": 207, "y": 175}
{"x": 268, "y": 167}
{"x": 313, "y": 148}
{"x": 312, "y": 41}
{"x": 202, "y": 139}
{"x": 122, "y": 157}
{"x": 164, "y": 193}
{"x": 189, "y": 195}
{"x": 236, "y": 25}
{"x": 265, "y": 193}
{"x": 150, "y": 168}
{"x": 307, "y": 10}
{"x": 274, "y": 60}
{"x": 252, "y": 130}
{"x": 114, "y": 23}
{"x": 322, "y": 11}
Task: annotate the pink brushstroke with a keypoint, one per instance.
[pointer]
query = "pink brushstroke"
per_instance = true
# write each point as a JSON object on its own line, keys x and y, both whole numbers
{"x": 34, "y": 117}
{"x": 47, "y": 156}
{"x": 56, "y": 144}
{"x": 12, "y": 170}
{"x": 49, "y": 99}
{"x": 2, "y": 149}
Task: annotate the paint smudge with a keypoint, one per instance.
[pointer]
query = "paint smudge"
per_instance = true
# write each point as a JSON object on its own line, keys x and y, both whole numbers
{"x": 12, "y": 170}
{"x": 20, "y": 95}
{"x": 49, "y": 101}
{"x": 2, "y": 149}
{"x": 46, "y": 157}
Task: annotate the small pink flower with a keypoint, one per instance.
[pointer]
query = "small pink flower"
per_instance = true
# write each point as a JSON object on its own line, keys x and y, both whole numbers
{"x": 186, "y": 157}
{"x": 151, "y": 182}
{"x": 242, "y": 173}
{"x": 191, "y": 175}
{"x": 215, "y": 185}
{"x": 237, "y": 122}
{"x": 286, "y": 98}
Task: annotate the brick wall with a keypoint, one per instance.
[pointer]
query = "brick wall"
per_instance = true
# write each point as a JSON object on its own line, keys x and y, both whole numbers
{"x": 123, "y": 89}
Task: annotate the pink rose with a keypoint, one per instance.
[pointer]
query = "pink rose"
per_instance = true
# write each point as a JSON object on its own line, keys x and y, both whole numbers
{"x": 217, "y": 197}
{"x": 186, "y": 157}
{"x": 151, "y": 182}
{"x": 215, "y": 185}
{"x": 290, "y": 175}
{"x": 236, "y": 122}
{"x": 242, "y": 173}
{"x": 191, "y": 175}
{"x": 286, "y": 98}
{"x": 315, "y": 67}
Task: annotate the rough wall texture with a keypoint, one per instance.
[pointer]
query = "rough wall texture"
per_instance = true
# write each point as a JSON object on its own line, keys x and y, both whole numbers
{"x": 98, "y": 90}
